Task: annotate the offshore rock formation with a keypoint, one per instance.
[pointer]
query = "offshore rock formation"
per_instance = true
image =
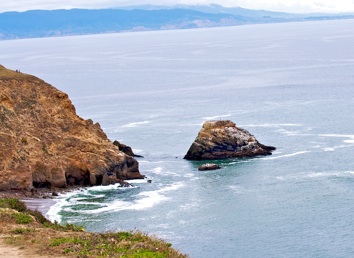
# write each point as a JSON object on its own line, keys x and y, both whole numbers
{"x": 209, "y": 166}
{"x": 44, "y": 143}
{"x": 222, "y": 139}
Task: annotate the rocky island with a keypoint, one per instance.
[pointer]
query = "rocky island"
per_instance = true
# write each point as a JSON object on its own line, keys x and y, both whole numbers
{"x": 223, "y": 139}
{"x": 44, "y": 143}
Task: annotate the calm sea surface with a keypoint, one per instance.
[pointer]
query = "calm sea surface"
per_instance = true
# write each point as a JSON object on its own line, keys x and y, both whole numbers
{"x": 291, "y": 85}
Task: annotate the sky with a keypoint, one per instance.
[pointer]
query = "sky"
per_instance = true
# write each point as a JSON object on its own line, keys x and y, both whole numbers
{"x": 296, "y": 6}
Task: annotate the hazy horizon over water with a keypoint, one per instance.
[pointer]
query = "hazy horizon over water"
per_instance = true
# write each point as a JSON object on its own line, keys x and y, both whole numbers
{"x": 291, "y": 85}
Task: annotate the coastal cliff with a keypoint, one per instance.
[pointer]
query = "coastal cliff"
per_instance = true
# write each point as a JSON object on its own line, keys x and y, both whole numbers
{"x": 223, "y": 139}
{"x": 44, "y": 143}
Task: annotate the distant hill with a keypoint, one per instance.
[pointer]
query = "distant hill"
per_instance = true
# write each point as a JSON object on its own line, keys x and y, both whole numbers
{"x": 214, "y": 8}
{"x": 45, "y": 23}
{"x": 79, "y": 21}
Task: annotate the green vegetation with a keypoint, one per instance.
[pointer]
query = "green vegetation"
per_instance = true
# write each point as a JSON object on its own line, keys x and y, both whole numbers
{"x": 21, "y": 231}
{"x": 44, "y": 149}
{"x": 123, "y": 243}
{"x": 31, "y": 231}
{"x": 22, "y": 218}
{"x": 38, "y": 216}
{"x": 13, "y": 203}
{"x": 7, "y": 74}
{"x": 67, "y": 227}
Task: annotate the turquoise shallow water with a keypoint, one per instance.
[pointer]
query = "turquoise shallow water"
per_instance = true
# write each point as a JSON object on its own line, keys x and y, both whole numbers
{"x": 291, "y": 85}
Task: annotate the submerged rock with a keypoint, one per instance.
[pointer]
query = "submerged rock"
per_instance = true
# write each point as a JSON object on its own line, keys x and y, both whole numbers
{"x": 209, "y": 166}
{"x": 44, "y": 143}
{"x": 223, "y": 139}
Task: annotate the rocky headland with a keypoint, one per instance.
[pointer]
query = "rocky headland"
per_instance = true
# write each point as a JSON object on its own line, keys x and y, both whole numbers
{"x": 44, "y": 143}
{"x": 223, "y": 139}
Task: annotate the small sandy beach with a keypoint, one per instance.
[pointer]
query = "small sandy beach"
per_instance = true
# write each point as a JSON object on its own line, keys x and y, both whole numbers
{"x": 42, "y": 200}
{"x": 42, "y": 205}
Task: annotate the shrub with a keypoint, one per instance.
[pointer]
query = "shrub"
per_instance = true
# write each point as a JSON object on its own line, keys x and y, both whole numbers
{"x": 38, "y": 216}
{"x": 13, "y": 203}
{"x": 24, "y": 140}
{"x": 67, "y": 227}
{"x": 22, "y": 218}
{"x": 21, "y": 231}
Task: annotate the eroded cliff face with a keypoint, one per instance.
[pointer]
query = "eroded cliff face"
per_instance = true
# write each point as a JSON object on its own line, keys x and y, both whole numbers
{"x": 223, "y": 139}
{"x": 43, "y": 142}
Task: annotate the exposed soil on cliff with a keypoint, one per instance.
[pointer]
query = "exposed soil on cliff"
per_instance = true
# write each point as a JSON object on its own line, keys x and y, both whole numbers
{"x": 8, "y": 251}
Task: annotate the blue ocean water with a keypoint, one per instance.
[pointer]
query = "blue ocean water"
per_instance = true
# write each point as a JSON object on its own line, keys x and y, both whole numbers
{"x": 291, "y": 85}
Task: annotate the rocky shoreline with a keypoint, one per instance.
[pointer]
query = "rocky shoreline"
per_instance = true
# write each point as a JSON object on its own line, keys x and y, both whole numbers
{"x": 47, "y": 149}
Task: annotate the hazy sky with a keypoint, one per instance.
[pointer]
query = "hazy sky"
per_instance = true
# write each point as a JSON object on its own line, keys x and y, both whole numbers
{"x": 274, "y": 5}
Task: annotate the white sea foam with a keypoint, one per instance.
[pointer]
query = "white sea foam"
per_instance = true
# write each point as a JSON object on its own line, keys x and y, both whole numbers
{"x": 157, "y": 170}
{"x": 348, "y": 141}
{"x": 313, "y": 175}
{"x": 239, "y": 162}
{"x": 288, "y": 132}
{"x": 145, "y": 200}
{"x": 151, "y": 162}
{"x": 136, "y": 151}
{"x": 103, "y": 188}
{"x": 189, "y": 175}
{"x": 333, "y": 148}
{"x": 160, "y": 171}
{"x": 135, "y": 124}
{"x": 136, "y": 181}
{"x": 64, "y": 201}
{"x": 285, "y": 155}
{"x": 78, "y": 199}
{"x": 150, "y": 199}
{"x": 91, "y": 203}
{"x": 61, "y": 201}
{"x": 338, "y": 135}
{"x": 53, "y": 213}
{"x": 216, "y": 117}
{"x": 273, "y": 125}
{"x": 331, "y": 174}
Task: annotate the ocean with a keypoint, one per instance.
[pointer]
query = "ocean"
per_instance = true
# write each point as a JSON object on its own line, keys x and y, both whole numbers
{"x": 291, "y": 85}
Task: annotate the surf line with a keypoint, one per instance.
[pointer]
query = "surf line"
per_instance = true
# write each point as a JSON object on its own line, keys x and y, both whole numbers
{"x": 135, "y": 124}
{"x": 287, "y": 155}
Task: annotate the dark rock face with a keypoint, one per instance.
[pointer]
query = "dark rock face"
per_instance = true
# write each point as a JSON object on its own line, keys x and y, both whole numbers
{"x": 209, "y": 166}
{"x": 222, "y": 139}
{"x": 44, "y": 143}
{"x": 126, "y": 149}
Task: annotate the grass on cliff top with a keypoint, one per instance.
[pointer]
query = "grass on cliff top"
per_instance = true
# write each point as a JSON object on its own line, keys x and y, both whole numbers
{"x": 7, "y": 74}
{"x": 33, "y": 233}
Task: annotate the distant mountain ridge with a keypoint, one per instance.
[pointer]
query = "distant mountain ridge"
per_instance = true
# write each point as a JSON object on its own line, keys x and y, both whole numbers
{"x": 47, "y": 23}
